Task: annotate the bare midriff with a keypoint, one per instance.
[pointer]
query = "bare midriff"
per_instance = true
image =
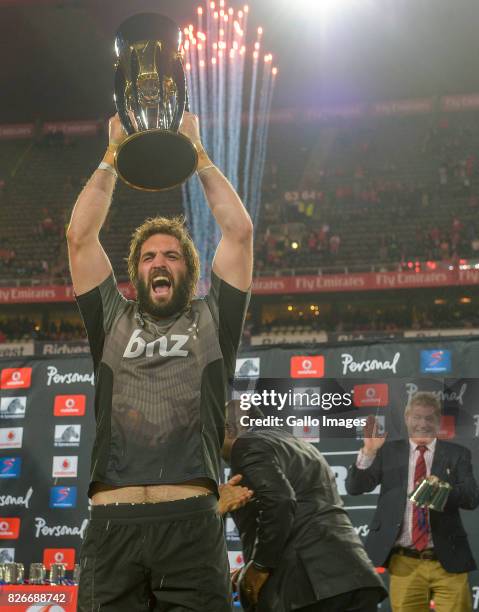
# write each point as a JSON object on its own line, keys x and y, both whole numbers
{"x": 106, "y": 494}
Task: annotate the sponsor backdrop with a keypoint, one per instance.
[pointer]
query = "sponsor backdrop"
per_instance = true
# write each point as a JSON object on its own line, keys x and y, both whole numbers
{"x": 47, "y": 427}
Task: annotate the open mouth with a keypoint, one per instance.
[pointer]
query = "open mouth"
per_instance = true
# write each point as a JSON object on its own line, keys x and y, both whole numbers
{"x": 160, "y": 284}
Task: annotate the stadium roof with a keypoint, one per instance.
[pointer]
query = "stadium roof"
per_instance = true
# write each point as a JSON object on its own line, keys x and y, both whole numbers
{"x": 57, "y": 54}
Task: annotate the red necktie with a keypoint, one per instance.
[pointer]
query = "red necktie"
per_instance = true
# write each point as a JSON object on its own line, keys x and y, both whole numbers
{"x": 420, "y": 516}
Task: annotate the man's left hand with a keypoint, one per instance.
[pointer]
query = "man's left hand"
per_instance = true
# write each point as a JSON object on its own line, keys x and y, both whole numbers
{"x": 252, "y": 581}
{"x": 190, "y": 127}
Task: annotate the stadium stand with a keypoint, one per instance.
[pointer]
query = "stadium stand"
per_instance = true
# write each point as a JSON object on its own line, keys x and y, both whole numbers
{"x": 389, "y": 191}
{"x": 365, "y": 194}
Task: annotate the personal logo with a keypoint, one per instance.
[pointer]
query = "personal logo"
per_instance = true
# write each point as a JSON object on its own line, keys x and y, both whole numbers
{"x": 16, "y": 378}
{"x": 304, "y": 366}
{"x": 11, "y": 438}
{"x": 436, "y": 361}
{"x": 165, "y": 346}
{"x": 11, "y": 500}
{"x": 9, "y": 528}
{"x": 361, "y": 530}
{"x": 376, "y": 395}
{"x": 59, "y": 555}
{"x": 58, "y": 531}
{"x": 454, "y": 395}
{"x": 13, "y": 407}
{"x": 10, "y": 467}
{"x": 65, "y": 467}
{"x": 69, "y": 405}
{"x": 55, "y": 377}
{"x": 351, "y": 366}
{"x": 248, "y": 367}
{"x": 63, "y": 497}
{"x": 67, "y": 435}
{"x": 476, "y": 425}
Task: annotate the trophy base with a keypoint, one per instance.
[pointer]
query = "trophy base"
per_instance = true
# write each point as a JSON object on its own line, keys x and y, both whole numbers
{"x": 156, "y": 160}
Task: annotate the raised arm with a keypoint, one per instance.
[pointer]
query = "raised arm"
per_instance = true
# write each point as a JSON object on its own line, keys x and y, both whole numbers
{"x": 233, "y": 261}
{"x": 365, "y": 474}
{"x": 89, "y": 264}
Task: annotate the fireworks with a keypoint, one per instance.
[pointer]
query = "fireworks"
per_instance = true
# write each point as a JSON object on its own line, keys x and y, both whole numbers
{"x": 230, "y": 83}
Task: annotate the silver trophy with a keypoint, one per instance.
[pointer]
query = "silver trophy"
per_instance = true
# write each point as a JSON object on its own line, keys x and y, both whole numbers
{"x": 151, "y": 97}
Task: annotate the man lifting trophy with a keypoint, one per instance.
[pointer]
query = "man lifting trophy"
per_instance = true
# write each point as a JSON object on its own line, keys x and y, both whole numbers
{"x": 151, "y": 97}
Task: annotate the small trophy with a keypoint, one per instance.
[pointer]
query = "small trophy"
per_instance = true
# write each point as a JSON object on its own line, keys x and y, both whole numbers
{"x": 37, "y": 573}
{"x": 57, "y": 573}
{"x": 13, "y": 573}
{"x": 76, "y": 574}
{"x": 151, "y": 97}
{"x": 432, "y": 495}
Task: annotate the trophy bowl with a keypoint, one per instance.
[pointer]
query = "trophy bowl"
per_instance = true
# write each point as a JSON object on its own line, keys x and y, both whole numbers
{"x": 151, "y": 98}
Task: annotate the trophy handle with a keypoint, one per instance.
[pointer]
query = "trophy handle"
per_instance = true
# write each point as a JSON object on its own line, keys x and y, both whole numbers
{"x": 135, "y": 70}
{"x": 120, "y": 102}
{"x": 182, "y": 97}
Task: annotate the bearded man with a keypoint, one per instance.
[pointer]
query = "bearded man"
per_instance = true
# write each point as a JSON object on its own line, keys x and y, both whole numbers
{"x": 155, "y": 538}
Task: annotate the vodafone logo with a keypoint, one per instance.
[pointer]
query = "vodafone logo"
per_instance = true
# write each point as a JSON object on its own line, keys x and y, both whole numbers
{"x": 16, "y": 378}
{"x": 9, "y": 528}
{"x": 236, "y": 559}
{"x": 307, "y": 367}
{"x": 65, "y": 467}
{"x": 69, "y": 405}
{"x": 59, "y": 555}
{"x": 11, "y": 438}
{"x": 306, "y": 433}
{"x": 371, "y": 395}
{"x": 447, "y": 427}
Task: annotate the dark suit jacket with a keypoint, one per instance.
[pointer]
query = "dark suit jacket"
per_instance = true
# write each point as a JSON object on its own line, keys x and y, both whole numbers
{"x": 296, "y": 526}
{"x": 451, "y": 463}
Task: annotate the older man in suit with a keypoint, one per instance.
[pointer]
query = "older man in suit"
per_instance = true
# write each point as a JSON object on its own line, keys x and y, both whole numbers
{"x": 301, "y": 550}
{"x": 426, "y": 552}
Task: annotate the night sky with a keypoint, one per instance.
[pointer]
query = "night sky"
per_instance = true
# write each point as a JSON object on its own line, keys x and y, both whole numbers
{"x": 57, "y": 55}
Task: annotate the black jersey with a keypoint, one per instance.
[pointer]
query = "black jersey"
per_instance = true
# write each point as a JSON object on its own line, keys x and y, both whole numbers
{"x": 160, "y": 384}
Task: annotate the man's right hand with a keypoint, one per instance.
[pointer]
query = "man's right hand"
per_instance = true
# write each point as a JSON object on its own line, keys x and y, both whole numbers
{"x": 232, "y": 495}
{"x": 372, "y": 439}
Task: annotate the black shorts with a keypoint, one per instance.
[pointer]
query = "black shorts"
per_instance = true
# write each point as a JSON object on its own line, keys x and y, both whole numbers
{"x": 166, "y": 557}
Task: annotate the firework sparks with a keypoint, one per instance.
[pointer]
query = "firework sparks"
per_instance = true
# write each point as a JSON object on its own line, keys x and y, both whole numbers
{"x": 231, "y": 91}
